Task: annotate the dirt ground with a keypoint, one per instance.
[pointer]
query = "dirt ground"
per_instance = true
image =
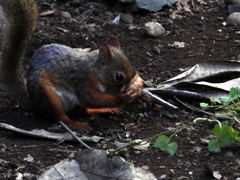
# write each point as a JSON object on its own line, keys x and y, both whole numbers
{"x": 206, "y": 38}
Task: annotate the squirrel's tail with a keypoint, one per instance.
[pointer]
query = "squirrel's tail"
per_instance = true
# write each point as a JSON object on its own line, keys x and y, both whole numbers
{"x": 17, "y": 22}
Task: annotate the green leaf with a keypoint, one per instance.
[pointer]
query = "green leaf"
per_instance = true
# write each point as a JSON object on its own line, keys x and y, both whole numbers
{"x": 163, "y": 143}
{"x": 226, "y": 134}
{"x": 214, "y": 146}
{"x": 225, "y": 99}
{"x": 213, "y": 101}
{"x": 204, "y": 105}
{"x": 237, "y": 139}
{"x": 234, "y": 92}
{"x": 172, "y": 148}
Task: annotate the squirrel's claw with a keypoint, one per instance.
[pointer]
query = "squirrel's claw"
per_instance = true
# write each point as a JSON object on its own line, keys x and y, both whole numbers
{"x": 75, "y": 125}
{"x": 81, "y": 126}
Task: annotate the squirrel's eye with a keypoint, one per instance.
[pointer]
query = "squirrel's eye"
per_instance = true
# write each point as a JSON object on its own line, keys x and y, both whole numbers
{"x": 119, "y": 77}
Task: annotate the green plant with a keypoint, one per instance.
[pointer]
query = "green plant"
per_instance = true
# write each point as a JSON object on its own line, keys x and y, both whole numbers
{"x": 225, "y": 135}
{"x": 163, "y": 142}
{"x": 226, "y": 108}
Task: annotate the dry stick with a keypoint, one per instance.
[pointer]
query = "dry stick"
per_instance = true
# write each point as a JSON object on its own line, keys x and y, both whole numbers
{"x": 149, "y": 139}
{"x": 74, "y": 135}
{"x": 86, "y": 15}
{"x": 193, "y": 108}
{"x": 162, "y": 101}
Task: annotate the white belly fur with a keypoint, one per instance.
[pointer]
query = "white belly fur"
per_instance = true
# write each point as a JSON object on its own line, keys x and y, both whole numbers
{"x": 70, "y": 100}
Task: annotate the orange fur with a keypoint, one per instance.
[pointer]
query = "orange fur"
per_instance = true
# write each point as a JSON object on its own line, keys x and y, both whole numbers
{"x": 55, "y": 105}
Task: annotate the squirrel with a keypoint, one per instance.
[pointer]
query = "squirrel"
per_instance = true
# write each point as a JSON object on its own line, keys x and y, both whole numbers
{"x": 61, "y": 78}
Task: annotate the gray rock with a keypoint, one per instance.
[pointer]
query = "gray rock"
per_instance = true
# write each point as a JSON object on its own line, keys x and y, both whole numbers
{"x": 229, "y": 154}
{"x": 154, "y": 29}
{"x": 96, "y": 164}
{"x": 234, "y": 18}
{"x": 150, "y": 5}
{"x": 127, "y": 18}
{"x": 162, "y": 177}
{"x": 154, "y": 5}
{"x": 66, "y": 14}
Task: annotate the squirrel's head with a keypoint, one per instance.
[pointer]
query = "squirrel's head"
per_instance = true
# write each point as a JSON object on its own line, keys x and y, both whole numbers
{"x": 114, "y": 68}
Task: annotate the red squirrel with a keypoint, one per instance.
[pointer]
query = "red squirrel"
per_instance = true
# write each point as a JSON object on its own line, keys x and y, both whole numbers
{"x": 60, "y": 78}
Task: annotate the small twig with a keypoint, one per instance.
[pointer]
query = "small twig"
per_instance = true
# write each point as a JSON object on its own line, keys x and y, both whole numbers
{"x": 162, "y": 101}
{"x": 74, "y": 135}
{"x": 62, "y": 150}
{"x": 193, "y": 108}
{"x": 86, "y": 14}
{"x": 149, "y": 139}
{"x": 48, "y": 13}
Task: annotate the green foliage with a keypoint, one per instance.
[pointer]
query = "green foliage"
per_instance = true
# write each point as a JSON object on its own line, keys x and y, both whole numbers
{"x": 234, "y": 92}
{"x": 204, "y": 105}
{"x": 163, "y": 143}
{"x": 225, "y": 135}
{"x": 227, "y": 108}
{"x": 214, "y": 146}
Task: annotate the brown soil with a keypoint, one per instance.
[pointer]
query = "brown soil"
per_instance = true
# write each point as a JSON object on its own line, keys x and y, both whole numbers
{"x": 206, "y": 39}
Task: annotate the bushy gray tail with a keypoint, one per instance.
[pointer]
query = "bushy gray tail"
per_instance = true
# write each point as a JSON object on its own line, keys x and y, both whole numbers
{"x": 17, "y": 22}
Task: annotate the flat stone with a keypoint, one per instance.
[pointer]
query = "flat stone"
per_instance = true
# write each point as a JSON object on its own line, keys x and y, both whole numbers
{"x": 66, "y": 14}
{"x": 154, "y": 5}
{"x": 127, "y": 18}
{"x": 234, "y": 19}
{"x": 154, "y": 29}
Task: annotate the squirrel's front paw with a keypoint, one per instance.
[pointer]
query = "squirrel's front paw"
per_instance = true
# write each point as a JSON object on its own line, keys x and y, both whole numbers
{"x": 135, "y": 87}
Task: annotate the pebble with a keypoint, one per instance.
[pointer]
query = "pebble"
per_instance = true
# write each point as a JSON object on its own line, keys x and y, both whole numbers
{"x": 153, "y": 29}
{"x": 162, "y": 177}
{"x": 229, "y": 154}
{"x": 127, "y": 18}
{"x": 141, "y": 115}
{"x": 177, "y": 44}
{"x": 182, "y": 177}
{"x": 234, "y": 18}
{"x": 66, "y": 14}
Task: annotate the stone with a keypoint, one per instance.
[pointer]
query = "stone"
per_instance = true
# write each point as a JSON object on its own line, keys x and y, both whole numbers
{"x": 153, "y": 29}
{"x": 234, "y": 19}
{"x": 154, "y": 5}
{"x": 229, "y": 154}
{"x": 127, "y": 18}
{"x": 66, "y": 14}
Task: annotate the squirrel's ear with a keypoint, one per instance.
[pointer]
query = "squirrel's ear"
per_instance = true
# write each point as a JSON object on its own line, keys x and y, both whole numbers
{"x": 104, "y": 50}
{"x": 113, "y": 42}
